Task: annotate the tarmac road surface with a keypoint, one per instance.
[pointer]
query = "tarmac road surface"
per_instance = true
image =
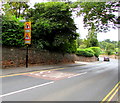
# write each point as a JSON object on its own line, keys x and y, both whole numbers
{"x": 95, "y": 82}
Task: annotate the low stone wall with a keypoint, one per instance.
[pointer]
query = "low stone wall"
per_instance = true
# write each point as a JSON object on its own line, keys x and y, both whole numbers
{"x": 16, "y": 57}
{"x": 85, "y": 59}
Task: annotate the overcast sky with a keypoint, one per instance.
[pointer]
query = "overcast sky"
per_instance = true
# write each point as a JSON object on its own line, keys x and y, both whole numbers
{"x": 112, "y": 34}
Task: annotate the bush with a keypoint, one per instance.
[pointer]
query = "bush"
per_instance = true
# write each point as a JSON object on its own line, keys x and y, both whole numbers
{"x": 117, "y": 51}
{"x": 96, "y": 50}
{"x": 85, "y": 52}
{"x": 83, "y": 46}
{"x": 12, "y": 32}
{"x": 109, "y": 52}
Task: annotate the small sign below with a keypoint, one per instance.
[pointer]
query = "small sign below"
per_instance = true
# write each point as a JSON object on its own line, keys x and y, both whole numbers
{"x": 27, "y": 31}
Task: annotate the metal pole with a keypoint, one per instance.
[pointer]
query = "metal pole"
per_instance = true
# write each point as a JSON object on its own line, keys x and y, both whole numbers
{"x": 26, "y": 56}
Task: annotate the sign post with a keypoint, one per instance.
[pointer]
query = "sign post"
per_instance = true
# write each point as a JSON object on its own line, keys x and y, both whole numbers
{"x": 27, "y": 38}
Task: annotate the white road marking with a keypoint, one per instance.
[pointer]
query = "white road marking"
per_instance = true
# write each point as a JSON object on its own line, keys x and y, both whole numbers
{"x": 36, "y": 74}
{"x": 49, "y": 71}
{"x": 44, "y": 75}
{"x": 42, "y": 72}
{"x": 77, "y": 75}
{"x": 22, "y": 90}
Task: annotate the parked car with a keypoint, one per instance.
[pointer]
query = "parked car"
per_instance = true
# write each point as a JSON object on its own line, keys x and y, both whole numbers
{"x": 106, "y": 59}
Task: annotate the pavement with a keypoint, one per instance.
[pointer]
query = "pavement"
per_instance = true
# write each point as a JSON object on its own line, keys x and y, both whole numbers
{"x": 43, "y": 67}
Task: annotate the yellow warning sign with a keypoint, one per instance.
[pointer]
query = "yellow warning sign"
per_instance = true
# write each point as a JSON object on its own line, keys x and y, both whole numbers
{"x": 27, "y": 32}
{"x": 27, "y": 25}
{"x": 27, "y": 35}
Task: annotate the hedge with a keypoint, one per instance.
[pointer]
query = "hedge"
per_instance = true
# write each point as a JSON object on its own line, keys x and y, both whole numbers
{"x": 85, "y": 52}
{"x": 96, "y": 50}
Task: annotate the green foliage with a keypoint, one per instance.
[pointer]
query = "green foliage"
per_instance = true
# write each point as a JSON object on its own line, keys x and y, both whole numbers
{"x": 89, "y": 52}
{"x": 118, "y": 44}
{"x": 15, "y": 8}
{"x": 96, "y": 50}
{"x": 83, "y": 46}
{"x": 99, "y": 13}
{"x": 91, "y": 38}
{"x": 103, "y": 45}
{"x": 109, "y": 52}
{"x": 53, "y": 26}
{"x": 12, "y": 32}
{"x": 70, "y": 47}
{"x": 108, "y": 41}
{"x": 85, "y": 52}
{"x": 117, "y": 51}
{"x": 108, "y": 46}
{"x": 79, "y": 42}
{"x": 102, "y": 52}
{"x": 91, "y": 42}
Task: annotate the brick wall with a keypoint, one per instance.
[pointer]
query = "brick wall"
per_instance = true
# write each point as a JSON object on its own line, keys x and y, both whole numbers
{"x": 16, "y": 57}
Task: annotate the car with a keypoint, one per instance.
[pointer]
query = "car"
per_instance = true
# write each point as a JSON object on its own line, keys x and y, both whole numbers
{"x": 106, "y": 59}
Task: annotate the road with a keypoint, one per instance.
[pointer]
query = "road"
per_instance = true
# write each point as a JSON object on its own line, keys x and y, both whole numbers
{"x": 80, "y": 83}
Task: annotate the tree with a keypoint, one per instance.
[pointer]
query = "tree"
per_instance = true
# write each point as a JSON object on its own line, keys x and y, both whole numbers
{"x": 79, "y": 42}
{"x": 7, "y": 13}
{"x": 118, "y": 44}
{"x": 53, "y": 26}
{"x": 91, "y": 40}
{"x": 103, "y": 45}
{"x": 110, "y": 48}
{"x": 99, "y": 13}
{"x": 113, "y": 42}
{"x": 16, "y": 8}
{"x": 108, "y": 41}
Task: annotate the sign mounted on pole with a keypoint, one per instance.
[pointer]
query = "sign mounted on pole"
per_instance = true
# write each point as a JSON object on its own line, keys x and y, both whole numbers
{"x": 27, "y": 32}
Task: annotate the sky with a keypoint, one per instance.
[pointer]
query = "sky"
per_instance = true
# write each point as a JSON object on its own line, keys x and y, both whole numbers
{"x": 112, "y": 34}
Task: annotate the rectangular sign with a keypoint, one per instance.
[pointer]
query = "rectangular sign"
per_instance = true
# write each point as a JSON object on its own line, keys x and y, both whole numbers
{"x": 27, "y": 26}
{"x": 27, "y": 32}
